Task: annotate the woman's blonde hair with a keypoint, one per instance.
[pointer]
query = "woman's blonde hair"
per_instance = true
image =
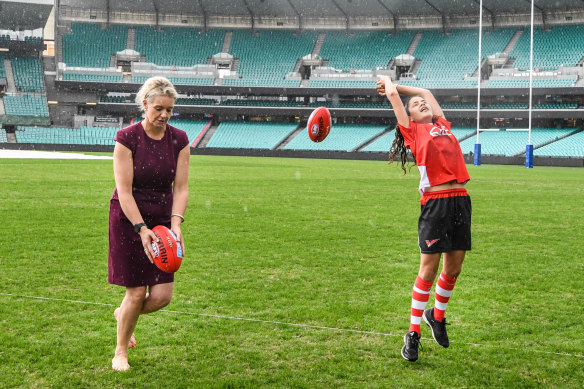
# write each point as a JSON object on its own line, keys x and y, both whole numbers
{"x": 155, "y": 86}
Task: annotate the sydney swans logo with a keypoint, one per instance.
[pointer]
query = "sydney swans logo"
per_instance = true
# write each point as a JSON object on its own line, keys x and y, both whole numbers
{"x": 439, "y": 131}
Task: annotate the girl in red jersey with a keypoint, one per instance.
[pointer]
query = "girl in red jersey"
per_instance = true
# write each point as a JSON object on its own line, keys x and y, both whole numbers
{"x": 445, "y": 218}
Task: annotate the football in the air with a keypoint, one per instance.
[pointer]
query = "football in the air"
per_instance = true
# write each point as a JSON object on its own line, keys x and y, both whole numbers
{"x": 167, "y": 252}
{"x": 319, "y": 124}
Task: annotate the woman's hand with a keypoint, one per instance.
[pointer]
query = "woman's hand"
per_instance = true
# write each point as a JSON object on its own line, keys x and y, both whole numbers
{"x": 176, "y": 230}
{"x": 148, "y": 236}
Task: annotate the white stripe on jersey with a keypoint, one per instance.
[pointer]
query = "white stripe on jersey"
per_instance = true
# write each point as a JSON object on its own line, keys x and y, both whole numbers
{"x": 424, "y": 180}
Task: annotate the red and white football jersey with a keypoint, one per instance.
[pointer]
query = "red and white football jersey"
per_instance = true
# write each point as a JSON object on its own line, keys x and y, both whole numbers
{"x": 437, "y": 153}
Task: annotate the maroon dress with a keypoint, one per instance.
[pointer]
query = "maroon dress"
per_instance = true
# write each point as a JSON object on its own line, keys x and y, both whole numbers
{"x": 154, "y": 171}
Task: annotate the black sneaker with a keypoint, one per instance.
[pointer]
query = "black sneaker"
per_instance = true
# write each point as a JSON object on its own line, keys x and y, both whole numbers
{"x": 438, "y": 328}
{"x": 410, "y": 349}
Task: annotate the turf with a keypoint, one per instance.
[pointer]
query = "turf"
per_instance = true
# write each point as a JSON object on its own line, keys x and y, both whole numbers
{"x": 294, "y": 245}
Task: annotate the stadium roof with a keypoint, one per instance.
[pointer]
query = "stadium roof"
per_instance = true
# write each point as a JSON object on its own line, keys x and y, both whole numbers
{"x": 324, "y": 8}
{"x": 21, "y": 15}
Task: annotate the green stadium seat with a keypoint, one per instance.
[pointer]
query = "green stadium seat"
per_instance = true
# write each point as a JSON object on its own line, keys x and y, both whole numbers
{"x": 343, "y": 137}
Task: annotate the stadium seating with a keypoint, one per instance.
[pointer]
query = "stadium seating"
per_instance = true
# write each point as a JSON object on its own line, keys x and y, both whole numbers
{"x": 551, "y": 49}
{"x": 458, "y": 106}
{"x": 266, "y": 57}
{"x": 3, "y": 138}
{"x": 175, "y": 46}
{"x": 86, "y": 77}
{"x": 537, "y": 83}
{"x": 178, "y": 80}
{"x": 194, "y": 101}
{"x": 192, "y": 127}
{"x": 509, "y": 106}
{"x": 82, "y": 136}
{"x": 261, "y": 103}
{"x": 250, "y": 135}
{"x": 28, "y": 74}
{"x": 2, "y": 69}
{"x": 90, "y": 46}
{"x": 509, "y": 143}
{"x": 336, "y": 83}
{"x": 444, "y": 84}
{"x": 354, "y": 51}
{"x": 26, "y": 105}
{"x": 572, "y": 147}
{"x": 556, "y": 105}
{"x": 343, "y": 137}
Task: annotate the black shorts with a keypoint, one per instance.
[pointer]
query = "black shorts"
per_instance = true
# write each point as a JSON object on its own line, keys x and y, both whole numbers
{"x": 444, "y": 223}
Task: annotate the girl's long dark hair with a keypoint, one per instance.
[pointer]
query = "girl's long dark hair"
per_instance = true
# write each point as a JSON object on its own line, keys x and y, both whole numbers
{"x": 398, "y": 146}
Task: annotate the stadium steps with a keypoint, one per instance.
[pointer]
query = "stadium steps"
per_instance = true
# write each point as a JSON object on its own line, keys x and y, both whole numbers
{"x": 10, "y": 84}
{"x": 2, "y": 109}
{"x": 235, "y": 64}
{"x": 318, "y": 44}
{"x": 131, "y": 39}
{"x": 304, "y": 83}
{"x": 580, "y": 82}
{"x": 414, "y": 44}
{"x": 207, "y": 137}
{"x": 112, "y": 63}
{"x": 512, "y": 42}
{"x": 291, "y": 136}
{"x": 375, "y": 138}
{"x": 227, "y": 42}
{"x": 11, "y": 137}
{"x": 297, "y": 66}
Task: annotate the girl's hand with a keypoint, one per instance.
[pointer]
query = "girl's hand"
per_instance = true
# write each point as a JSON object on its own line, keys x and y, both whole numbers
{"x": 148, "y": 236}
{"x": 385, "y": 86}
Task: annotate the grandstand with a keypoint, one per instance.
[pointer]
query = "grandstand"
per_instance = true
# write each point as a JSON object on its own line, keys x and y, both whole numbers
{"x": 248, "y": 80}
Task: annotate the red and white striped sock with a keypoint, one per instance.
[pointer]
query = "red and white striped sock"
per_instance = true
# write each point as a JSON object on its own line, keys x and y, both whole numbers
{"x": 420, "y": 296}
{"x": 444, "y": 288}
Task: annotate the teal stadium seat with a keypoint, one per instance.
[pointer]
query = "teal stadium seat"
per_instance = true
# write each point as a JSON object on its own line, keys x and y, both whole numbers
{"x": 383, "y": 143}
{"x": 336, "y": 83}
{"x": 90, "y": 46}
{"x": 85, "y": 135}
{"x": 192, "y": 127}
{"x": 26, "y": 105}
{"x": 537, "y": 83}
{"x": 250, "y": 135}
{"x": 3, "y": 138}
{"x": 510, "y": 143}
{"x": 266, "y": 57}
{"x": 354, "y": 52}
{"x": 28, "y": 74}
{"x": 569, "y": 147}
{"x": 85, "y": 77}
{"x": 343, "y": 137}
{"x": 176, "y": 46}
{"x": 563, "y": 45}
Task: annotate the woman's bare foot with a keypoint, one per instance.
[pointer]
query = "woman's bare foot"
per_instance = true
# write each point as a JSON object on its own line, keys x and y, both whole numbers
{"x": 132, "y": 341}
{"x": 120, "y": 363}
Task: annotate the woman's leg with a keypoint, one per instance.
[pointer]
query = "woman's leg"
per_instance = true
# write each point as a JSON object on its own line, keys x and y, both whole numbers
{"x": 452, "y": 267}
{"x": 127, "y": 318}
{"x": 158, "y": 297}
{"x": 421, "y": 291}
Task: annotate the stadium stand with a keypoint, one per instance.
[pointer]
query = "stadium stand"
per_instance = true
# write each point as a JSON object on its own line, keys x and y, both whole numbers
{"x": 550, "y": 48}
{"x": 537, "y": 83}
{"x": 2, "y": 69}
{"x": 175, "y": 46}
{"x": 569, "y": 147}
{"x": 90, "y": 46}
{"x": 354, "y": 51}
{"x": 260, "y": 103}
{"x": 250, "y": 135}
{"x": 343, "y": 137}
{"x": 92, "y": 77}
{"x": 283, "y": 48}
{"x": 28, "y": 74}
{"x": 26, "y": 105}
{"x": 192, "y": 127}
{"x": 83, "y": 136}
{"x": 342, "y": 83}
{"x": 3, "y": 138}
{"x": 383, "y": 143}
{"x": 510, "y": 143}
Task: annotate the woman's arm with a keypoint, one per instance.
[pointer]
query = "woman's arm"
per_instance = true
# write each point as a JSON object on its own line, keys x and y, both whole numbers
{"x": 387, "y": 88}
{"x": 425, "y": 94}
{"x": 124, "y": 176}
{"x": 180, "y": 193}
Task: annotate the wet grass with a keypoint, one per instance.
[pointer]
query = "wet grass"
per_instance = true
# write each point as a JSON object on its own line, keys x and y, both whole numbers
{"x": 323, "y": 243}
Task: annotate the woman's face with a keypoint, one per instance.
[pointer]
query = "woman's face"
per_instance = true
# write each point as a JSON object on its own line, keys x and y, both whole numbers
{"x": 420, "y": 111}
{"x": 158, "y": 111}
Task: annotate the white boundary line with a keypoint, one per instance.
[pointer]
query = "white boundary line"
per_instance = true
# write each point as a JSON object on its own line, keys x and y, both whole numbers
{"x": 299, "y": 325}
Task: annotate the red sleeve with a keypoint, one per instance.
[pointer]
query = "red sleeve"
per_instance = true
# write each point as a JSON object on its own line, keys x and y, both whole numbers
{"x": 409, "y": 135}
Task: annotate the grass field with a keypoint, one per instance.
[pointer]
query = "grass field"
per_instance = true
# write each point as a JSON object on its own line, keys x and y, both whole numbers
{"x": 294, "y": 245}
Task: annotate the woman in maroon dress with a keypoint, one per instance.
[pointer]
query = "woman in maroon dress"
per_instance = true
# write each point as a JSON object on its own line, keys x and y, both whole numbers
{"x": 151, "y": 164}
